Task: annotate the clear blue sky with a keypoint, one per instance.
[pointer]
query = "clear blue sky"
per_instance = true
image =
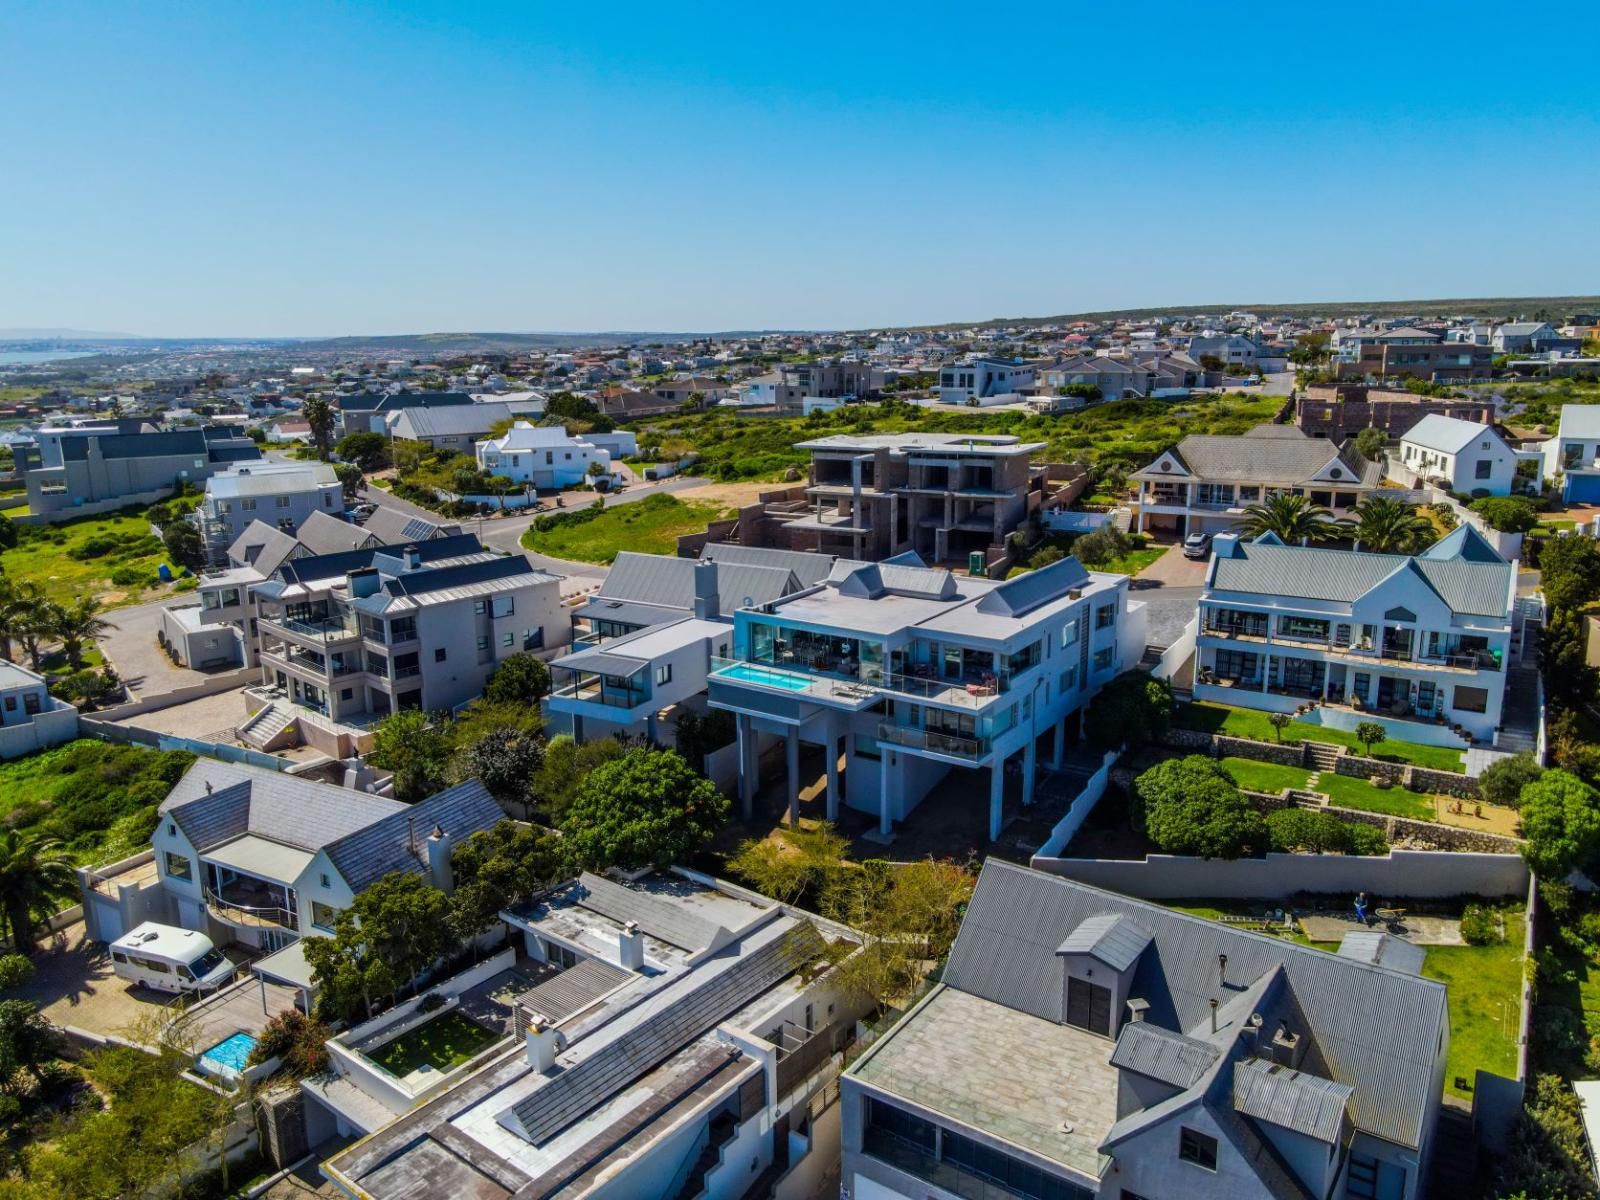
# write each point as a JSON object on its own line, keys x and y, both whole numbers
{"x": 288, "y": 169}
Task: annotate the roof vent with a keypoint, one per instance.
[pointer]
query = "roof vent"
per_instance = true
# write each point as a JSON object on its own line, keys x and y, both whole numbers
{"x": 1137, "y": 1009}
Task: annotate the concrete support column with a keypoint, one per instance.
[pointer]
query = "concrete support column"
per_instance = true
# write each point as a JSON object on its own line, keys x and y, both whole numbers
{"x": 1140, "y": 529}
{"x": 885, "y": 822}
{"x": 833, "y": 776}
{"x": 747, "y": 783}
{"x": 1060, "y": 748}
{"x": 997, "y": 797}
{"x": 650, "y": 727}
{"x": 1266, "y": 672}
{"x": 792, "y": 755}
{"x": 1029, "y": 764}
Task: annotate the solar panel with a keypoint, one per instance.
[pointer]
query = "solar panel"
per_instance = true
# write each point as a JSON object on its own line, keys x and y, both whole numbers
{"x": 593, "y": 1080}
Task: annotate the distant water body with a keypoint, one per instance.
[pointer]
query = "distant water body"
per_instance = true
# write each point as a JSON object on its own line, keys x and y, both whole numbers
{"x": 13, "y": 358}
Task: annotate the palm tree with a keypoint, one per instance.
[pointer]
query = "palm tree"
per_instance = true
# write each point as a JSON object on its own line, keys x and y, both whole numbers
{"x": 13, "y": 608}
{"x": 33, "y": 871}
{"x": 1294, "y": 519}
{"x": 1391, "y": 527}
{"x": 23, "y": 617}
{"x": 77, "y": 623}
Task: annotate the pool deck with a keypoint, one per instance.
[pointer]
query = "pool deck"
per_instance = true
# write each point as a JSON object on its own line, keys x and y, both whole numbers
{"x": 243, "y": 1008}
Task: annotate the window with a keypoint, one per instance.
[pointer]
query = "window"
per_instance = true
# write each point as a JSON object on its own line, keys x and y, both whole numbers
{"x": 508, "y": 640}
{"x": 483, "y": 643}
{"x": 533, "y": 639}
{"x": 347, "y": 693}
{"x": 31, "y": 703}
{"x": 1471, "y": 699}
{"x": 11, "y": 704}
{"x": 283, "y": 501}
{"x": 1197, "y": 1148}
{"x": 1102, "y": 658}
{"x": 503, "y": 606}
{"x": 323, "y": 915}
{"x": 1069, "y": 679}
{"x": 1374, "y": 1179}
{"x": 1088, "y": 1006}
{"x": 898, "y": 1123}
{"x": 249, "y": 504}
{"x": 179, "y": 866}
{"x": 1482, "y": 469}
{"x": 1105, "y": 616}
{"x": 439, "y": 654}
{"x": 480, "y": 607}
{"x": 326, "y": 882}
{"x": 1069, "y": 633}
{"x": 663, "y": 674}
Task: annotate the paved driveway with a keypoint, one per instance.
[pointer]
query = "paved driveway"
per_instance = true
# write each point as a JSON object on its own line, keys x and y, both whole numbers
{"x": 130, "y": 645}
{"x": 1172, "y": 569}
{"x": 73, "y": 984}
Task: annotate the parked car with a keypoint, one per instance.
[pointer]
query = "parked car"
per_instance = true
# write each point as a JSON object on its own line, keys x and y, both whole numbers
{"x": 1197, "y": 545}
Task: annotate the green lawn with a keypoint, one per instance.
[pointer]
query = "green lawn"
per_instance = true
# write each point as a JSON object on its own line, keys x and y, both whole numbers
{"x": 113, "y": 557}
{"x": 444, "y": 1042}
{"x": 1482, "y": 981}
{"x": 1133, "y": 561}
{"x": 1348, "y": 792}
{"x": 1256, "y": 776}
{"x": 1248, "y": 722}
{"x": 650, "y": 526}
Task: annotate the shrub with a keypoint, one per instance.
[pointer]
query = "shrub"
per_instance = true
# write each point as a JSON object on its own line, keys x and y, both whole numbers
{"x": 133, "y": 576}
{"x": 1191, "y": 806}
{"x": 1131, "y": 710}
{"x": 298, "y": 1040}
{"x": 1479, "y": 926}
{"x": 1291, "y": 829}
{"x": 1102, "y": 546}
{"x": 15, "y": 970}
{"x": 1366, "y": 840}
{"x": 1506, "y": 514}
{"x": 1503, "y": 780}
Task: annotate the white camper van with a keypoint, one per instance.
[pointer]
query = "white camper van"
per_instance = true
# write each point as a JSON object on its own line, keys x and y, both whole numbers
{"x": 170, "y": 959}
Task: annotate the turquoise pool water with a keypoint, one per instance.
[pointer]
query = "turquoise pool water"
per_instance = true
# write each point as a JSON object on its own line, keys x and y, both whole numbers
{"x": 746, "y": 673}
{"x": 233, "y": 1053}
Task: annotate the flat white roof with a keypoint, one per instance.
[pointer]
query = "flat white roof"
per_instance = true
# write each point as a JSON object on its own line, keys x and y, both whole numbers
{"x": 261, "y": 857}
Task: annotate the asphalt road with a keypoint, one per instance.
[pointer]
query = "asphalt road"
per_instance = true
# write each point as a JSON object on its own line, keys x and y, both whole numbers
{"x": 505, "y": 533}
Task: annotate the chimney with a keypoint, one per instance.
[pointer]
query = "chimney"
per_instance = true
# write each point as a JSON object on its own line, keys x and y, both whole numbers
{"x": 1136, "y": 1010}
{"x": 362, "y": 582}
{"x": 412, "y": 557}
{"x": 1222, "y": 969}
{"x": 1287, "y": 1047}
{"x": 707, "y": 603}
{"x": 1213, "y": 1015}
{"x": 543, "y": 1041}
{"x": 630, "y": 947}
{"x": 439, "y": 874}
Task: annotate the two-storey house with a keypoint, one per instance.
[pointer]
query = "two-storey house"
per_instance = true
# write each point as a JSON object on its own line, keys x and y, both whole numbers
{"x": 280, "y": 494}
{"x": 1573, "y": 455}
{"x": 904, "y": 673}
{"x": 1420, "y": 643}
{"x": 1084, "y": 1045}
{"x": 1205, "y": 482}
{"x": 1468, "y": 455}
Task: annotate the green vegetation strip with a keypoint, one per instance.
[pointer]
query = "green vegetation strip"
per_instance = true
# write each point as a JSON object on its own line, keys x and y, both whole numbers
{"x": 649, "y": 526}
{"x": 1349, "y": 792}
{"x": 112, "y": 557}
{"x": 1256, "y": 776}
{"x": 446, "y": 1041}
{"x": 1249, "y": 723}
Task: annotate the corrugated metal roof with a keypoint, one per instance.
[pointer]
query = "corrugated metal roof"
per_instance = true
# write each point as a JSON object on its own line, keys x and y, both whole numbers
{"x": 1383, "y": 950}
{"x": 810, "y": 569}
{"x": 1162, "y": 1054}
{"x": 272, "y": 546}
{"x": 1111, "y": 937}
{"x": 393, "y": 526}
{"x": 574, "y": 989}
{"x": 1019, "y": 596}
{"x": 1295, "y": 1100}
{"x": 461, "y": 420}
{"x": 627, "y": 612}
{"x": 1017, "y": 919}
{"x": 1448, "y": 435}
{"x": 601, "y": 662}
{"x": 1466, "y": 585}
{"x": 1280, "y": 458}
{"x": 669, "y": 582}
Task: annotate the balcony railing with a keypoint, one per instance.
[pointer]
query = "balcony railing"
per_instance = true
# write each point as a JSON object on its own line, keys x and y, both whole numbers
{"x": 917, "y": 738}
{"x": 965, "y": 692}
{"x": 330, "y": 630}
{"x": 594, "y": 692}
{"x": 246, "y": 908}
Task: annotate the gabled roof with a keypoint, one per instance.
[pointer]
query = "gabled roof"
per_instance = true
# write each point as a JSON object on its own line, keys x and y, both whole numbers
{"x": 1447, "y": 435}
{"x": 1274, "y": 456}
{"x": 1295, "y": 1100}
{"x": 668, "y": 582}
{"x": 1112, "y": 938}
{"x": 263, "y": 547}
{"x": 1163, "y": 1054}
{"x": 395, "y": 842}
{"x": 216, "y": 802}
{"x": 399, "y": 400}
{"x": 472, "y": 420}
{"x": 1383, "y": 950}
{"x": 1577, "y": 421}
{"x": 807, "y": 567}
{"x": 1020, "y": 596}
{"x": 323, "y": 533}
{"x": 872, "y": 580}
{"x": 392, "y": 526}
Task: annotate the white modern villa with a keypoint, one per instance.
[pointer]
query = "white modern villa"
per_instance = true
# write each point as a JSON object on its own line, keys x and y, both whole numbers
{"x": 1422, "y": 643}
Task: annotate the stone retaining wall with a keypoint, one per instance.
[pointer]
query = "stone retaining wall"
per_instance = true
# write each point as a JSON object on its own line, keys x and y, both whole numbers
{"x": 1357, "y": 767}
{"x": 1426, "y": 835}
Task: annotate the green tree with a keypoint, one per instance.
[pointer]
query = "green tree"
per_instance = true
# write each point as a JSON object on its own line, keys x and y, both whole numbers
{"x": 1101, "y": 546}
{"x": 1370, "y": 443}
{"x": 301, "y": 1042}
{"x": 793, "y": 865}
{"x": 1569, "y": 572}
{"x": 1279, "y": 722}
{"x": 415, "y": 748}
{"x": 15, "y": 970}
{"x": 1370, "y": 734}
{"x": 1292, "y": 829}
{"x": 397, "y": 928}
{"x": 1506, "y": 514}
{"x": 1390, "y": 527}
{"x": 909, "y": 915}
{"x": 365, "y": 449}
{"x": 1132, "y": 710}
{"x": 566, "y": 765}
{"x": 19, "y": 602}
{"x": 184, "y": 544}
{"x": 76, "y": 622}
{"x": 27, "y": 1042}
{"x": 506, "y": 761}
{"x": 1191, "y": 806}
{"x": 35, "y": 876}
{"x": 522, "y": 678}
{"x": 647, "y": 808}
{"x": 1560, "y": 823}
{"x": 1293, "y": 519}
{"x": 496, "y": 867}
{"x": 1502, "y": 781}
{"x": 318, "y": 414}
{"x": 351, "y": 480}
{"x": 8, "y": 533}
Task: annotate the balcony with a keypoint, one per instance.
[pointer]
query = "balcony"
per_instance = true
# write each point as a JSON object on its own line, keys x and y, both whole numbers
{"x": 599, "y": 689}
{"x": 953, "y": 745}
{"x": 867, "y": 684}
{"x": 251, "y": 904}
{"x": 326, "y": 631}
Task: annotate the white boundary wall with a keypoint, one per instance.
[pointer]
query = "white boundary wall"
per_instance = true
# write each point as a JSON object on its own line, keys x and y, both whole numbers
{"x": 1414, "y": 873}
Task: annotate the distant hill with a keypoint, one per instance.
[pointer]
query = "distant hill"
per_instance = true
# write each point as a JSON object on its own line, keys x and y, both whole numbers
{"x": 1497, "y": 308}
{"x": 507, "y": 343}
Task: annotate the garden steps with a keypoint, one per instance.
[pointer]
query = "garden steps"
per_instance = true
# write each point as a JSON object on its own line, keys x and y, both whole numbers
{"x": 260, "y": 730}
{"x": 1321, "y": 756}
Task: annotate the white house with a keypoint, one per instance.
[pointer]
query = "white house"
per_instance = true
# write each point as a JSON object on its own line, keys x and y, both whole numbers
{"x": 1422, "y": 644}
{"x": 545, "y": 456}
{"x": 1468, "y": 454}
{"x": 1573, "y": 455}
{"x": 30, "y": 717}
{"x": 985, "y": 380}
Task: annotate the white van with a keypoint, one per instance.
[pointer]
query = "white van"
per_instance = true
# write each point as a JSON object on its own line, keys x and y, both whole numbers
{"x": 170, "y": 959}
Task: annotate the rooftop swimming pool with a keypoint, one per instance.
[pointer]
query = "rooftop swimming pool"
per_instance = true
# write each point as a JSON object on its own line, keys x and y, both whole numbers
{"x": 765, "y": 677}
{"x": 231, "y": 1055}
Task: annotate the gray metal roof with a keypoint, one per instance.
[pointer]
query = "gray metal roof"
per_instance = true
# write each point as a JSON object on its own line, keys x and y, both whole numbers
{"x": 1466, "y": 584}
{"x": 272, "y": 546}
{"x": 573, "y": 990}
{"x": 1448, "y": 435}
{"x": 1293, "y": 1099}
{"x": 1163, "y": 1054}
{"x": 396, "y": 841}
{"x": 1249, "y": 458}
{"x": 1373, "y": 1028}
{"x": 1383, "y": 950}
{"x": 871, "y": 580}
{"x": 808, "y": 568}
{"x": 1112, "y": 938}
{"x": 271, "y": 804}
{"x": 323, "y": 533}
{"x": 627, "y": 612}
{"x": 1019, "y": 596}
{"x": 461, "y": 420}
{"x": 659, "y": 918}
{"x": 601, "y": 662}
{"x": 663, "y": 580}
{"x": 392, "y": 526}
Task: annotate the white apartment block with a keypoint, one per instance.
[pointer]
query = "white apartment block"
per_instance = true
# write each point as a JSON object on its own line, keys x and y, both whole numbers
{"x": 987, "y": 381}
{"x": 282, "y": 495}
{"x": 904, "y": 673}
{"x": 1421, "y": 644}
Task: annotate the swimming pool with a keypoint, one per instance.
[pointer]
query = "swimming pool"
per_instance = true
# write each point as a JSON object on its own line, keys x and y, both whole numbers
{"x": 765, "y": 676}
{"x": 231, "y": 1055}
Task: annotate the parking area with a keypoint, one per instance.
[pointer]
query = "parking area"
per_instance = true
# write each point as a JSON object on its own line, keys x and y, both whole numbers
{"x": 1172, "y": 569}
{"x": 197, "y": 718}
{"x": 73, "y": 984}
{"x": 130, "y": 646}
